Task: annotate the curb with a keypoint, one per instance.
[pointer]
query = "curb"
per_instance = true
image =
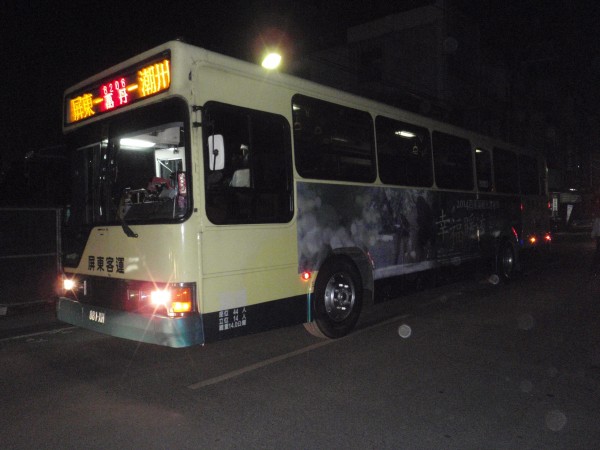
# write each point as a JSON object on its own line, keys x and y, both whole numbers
{"x": 17, "y": 309}
{"x": 22, "y": 319}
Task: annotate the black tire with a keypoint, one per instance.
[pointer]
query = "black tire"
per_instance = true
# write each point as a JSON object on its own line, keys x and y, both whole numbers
{"x": 505, "y": 261}
{"x": 337, "y": 300}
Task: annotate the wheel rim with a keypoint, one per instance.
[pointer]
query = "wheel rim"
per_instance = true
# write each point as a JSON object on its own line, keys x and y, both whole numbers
{"x": 340, "y": 296}
{"x": 508, "y": 261}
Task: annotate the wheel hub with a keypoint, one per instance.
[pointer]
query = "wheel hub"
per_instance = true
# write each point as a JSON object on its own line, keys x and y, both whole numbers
{"x": 340, "y": 296}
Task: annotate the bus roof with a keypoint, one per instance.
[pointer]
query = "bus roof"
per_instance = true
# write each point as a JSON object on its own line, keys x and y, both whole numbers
{"x": 188, "y": 55}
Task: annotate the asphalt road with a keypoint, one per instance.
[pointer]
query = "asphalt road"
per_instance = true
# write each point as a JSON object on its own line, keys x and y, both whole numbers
{"x": 468, "y": 366}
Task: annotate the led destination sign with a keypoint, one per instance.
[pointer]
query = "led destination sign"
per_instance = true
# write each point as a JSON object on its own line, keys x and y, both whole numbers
{"x": 130, "y": 86}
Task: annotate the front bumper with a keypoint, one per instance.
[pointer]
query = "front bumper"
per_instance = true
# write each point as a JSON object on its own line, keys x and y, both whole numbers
{"x": 170, "y": 332}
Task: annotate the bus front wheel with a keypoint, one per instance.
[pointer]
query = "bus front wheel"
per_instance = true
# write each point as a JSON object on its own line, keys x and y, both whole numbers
{"x": 337, "y": 298}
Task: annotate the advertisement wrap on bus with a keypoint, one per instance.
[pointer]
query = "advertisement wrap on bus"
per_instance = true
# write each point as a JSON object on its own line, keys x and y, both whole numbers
{"x": 213, "y": 198}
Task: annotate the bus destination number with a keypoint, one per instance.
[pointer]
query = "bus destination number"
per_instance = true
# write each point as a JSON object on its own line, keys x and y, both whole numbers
{"x": 96, "y": 316}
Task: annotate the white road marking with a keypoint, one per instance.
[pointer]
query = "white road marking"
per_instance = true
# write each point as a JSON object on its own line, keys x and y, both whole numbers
{"x": 275, "y": 359}
{"x": 39, "y": 333}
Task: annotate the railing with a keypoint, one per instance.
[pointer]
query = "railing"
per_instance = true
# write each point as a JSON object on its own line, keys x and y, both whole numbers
{"x": 29, "y": 255}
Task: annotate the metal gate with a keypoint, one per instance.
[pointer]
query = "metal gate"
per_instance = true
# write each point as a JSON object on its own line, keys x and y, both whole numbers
{"x": 29, "y": 255}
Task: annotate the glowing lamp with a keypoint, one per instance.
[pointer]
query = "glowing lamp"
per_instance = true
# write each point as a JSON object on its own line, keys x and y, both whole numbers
{"x": 405, "y": 134}
{"x": 69, "y": 284}
{"x": 176, "y": 300}
{"x": 160, "y": 297}
{"x": 271, "y": 61}
{"x": 181, "y": 307}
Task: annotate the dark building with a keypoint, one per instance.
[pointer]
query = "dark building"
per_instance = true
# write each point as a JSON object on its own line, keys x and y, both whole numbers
{"x": 443, "y": 61}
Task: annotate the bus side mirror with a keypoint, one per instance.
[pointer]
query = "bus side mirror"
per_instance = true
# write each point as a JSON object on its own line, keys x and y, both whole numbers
{"x": 216, "y": 152}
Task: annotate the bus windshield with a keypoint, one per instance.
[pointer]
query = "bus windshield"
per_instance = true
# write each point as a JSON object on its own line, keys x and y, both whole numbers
{"x": 131, "y": 170}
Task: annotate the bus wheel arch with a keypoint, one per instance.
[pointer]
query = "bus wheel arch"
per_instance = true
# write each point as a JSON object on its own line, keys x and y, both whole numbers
{"x": 339, "y": 294}
{"x": 364, "y": 265}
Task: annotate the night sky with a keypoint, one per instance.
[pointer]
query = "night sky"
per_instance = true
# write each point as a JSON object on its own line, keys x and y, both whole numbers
{"x": 49, "y": 45}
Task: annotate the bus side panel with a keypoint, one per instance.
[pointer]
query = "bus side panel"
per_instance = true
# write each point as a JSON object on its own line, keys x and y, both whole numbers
{"x": 403, "y": 230}
{"x": 233, "y": 322}
{"x": 250, "y": 280}
{"x": 468, "y": 226}
{"x": 536, "y": 219}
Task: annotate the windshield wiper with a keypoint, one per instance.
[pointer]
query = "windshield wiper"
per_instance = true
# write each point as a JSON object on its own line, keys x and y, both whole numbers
{"x": 127, "y": 229}
{"x": 121, "y": 216}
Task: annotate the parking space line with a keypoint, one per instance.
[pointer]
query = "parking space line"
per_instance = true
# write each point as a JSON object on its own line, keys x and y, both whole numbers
{"x": 258, "y": 365}
{"x": 39, "y": 333}
{"x": 275, "y": 359}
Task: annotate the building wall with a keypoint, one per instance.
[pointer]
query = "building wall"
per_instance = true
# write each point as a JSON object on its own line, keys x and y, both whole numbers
{"x": 431, "y": 60}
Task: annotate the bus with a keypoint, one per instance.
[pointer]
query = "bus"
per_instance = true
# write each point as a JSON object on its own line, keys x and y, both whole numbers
{"x": 212, "y": 198}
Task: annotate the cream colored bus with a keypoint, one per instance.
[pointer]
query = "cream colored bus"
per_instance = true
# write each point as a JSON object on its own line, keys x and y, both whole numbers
{"x": 212, "y": 198}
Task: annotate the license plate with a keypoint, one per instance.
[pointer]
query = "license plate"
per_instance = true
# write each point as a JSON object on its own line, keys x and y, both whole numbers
{"x": 96, "y": 316}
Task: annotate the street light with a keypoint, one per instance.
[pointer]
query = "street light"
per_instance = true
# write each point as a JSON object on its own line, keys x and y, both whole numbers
{"x": 272, "y": 48}
{"x": 271, "y": 61}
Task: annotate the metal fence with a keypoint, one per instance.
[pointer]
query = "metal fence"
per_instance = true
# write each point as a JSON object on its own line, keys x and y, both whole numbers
{"x": 29, "y": 254}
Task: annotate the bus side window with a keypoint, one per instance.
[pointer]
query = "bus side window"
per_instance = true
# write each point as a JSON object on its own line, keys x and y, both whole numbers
{"x": 529, "y": 179}
{"x": 404, "y": 153}
{"x": 256, "y": 182}
{"x": 483, "y": 168}
{"x": 332, "y": 142}
{"x": 453, "y": 162}
{"x": 506, "y": 171}
{"x": 241, "y": 175}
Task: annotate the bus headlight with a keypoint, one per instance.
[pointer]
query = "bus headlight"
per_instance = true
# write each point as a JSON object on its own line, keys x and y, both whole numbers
{"x": 177, "y": 300}
{"x": 160, "y": 297}
{"x": 69, "y": 284}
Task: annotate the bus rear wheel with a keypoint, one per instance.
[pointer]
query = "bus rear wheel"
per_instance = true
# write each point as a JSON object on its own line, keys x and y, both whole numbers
{"x": 337, "y": 298}
{"x": 505, "y": 261}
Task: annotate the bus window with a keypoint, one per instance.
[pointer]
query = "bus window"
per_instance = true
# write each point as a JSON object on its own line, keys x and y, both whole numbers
{"x": 528, "y": 175}
{"x": 167, "y": 167}
{"x": 332, "y": 142}
{"x": 483, "y": 168}
{"x": 404, "y": 153}
{"x": 128, "y": 171}
{"x": 252, "y": 183}
{"x": 452, "y": 161}
{"x": 506, "y": 172}
{"x": 145, "y": 174}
